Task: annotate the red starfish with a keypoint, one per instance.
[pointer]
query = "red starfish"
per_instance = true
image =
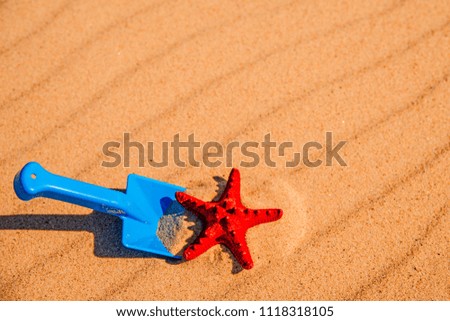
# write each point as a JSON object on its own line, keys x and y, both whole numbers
{"x": 225, "y": 221}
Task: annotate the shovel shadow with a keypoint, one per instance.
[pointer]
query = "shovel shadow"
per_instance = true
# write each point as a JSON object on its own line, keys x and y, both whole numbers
{"x": 107, "y": 229}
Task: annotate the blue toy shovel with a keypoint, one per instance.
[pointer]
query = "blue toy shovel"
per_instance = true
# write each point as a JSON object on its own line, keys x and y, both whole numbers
{"x": 140, "y": 207}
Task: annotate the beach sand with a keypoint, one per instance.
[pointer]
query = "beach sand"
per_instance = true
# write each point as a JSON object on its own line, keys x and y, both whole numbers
{"x": 374, "y": 73}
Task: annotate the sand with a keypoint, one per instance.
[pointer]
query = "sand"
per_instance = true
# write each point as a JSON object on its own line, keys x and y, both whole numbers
{"x": 375, "y": 73}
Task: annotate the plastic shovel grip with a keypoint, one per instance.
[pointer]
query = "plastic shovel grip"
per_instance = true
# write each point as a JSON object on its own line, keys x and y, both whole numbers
{"x": 34, "y": 181}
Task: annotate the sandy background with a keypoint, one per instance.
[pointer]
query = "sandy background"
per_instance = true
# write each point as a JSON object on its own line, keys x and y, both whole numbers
{"x": 75, "y": 75}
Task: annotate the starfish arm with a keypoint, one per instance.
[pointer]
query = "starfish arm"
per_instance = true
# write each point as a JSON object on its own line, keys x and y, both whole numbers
{"x": 238, "y": 246}
{"x": 204, "y": 242}
{"x": 233, "y": 187}
{"x": 192, "y": 204}
{"x": 264, "y": 216}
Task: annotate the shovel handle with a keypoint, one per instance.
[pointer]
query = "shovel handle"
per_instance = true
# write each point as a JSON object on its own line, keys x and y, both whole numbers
{"x": 34, "y": 181}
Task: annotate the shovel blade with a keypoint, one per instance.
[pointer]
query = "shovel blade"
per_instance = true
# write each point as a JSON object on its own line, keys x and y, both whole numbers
{"x": 148, "y": 203}
{"x": 139, "y": 236}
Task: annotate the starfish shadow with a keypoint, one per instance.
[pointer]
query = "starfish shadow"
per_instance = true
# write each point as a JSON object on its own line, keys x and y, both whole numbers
{"x": 197, "y": 226}
{"x": 221, "y": 184}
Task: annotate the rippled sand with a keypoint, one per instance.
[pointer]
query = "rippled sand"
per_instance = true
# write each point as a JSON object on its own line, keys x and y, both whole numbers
{"x": 77, "y": 75}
